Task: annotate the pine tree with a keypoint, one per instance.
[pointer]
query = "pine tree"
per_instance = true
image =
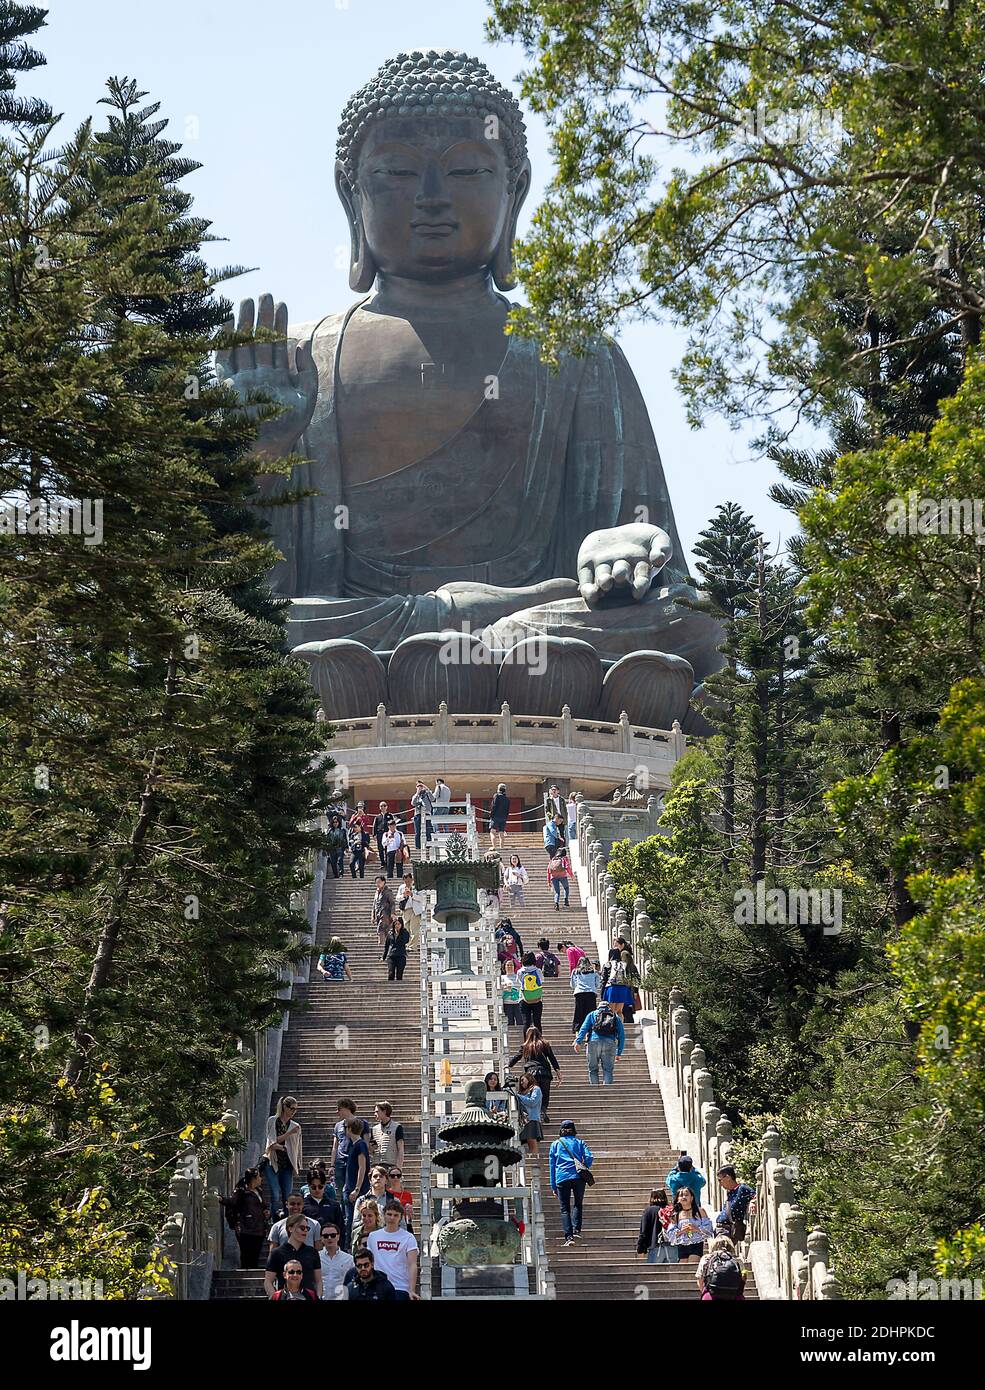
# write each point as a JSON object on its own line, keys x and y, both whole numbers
{"x": 160, "y": 777}
{"x": 16, "y": 56}
{"x": 726, "y": 552}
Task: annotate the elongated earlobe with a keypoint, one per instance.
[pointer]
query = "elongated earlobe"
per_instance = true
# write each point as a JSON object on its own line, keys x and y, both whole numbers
{"x": 502, "y": 264}
{"x": 362, "y": 268}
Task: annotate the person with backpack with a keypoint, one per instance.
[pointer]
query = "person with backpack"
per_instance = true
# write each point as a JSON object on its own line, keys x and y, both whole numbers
{"x": 506, "y": 933}
{"x": 546, "y": 960}
{"x": 584, "y": 986}
{"x": 531, "y": 991}
{"x": 570, "y": 1173}
{"x": 720, "y": 1278}
{"x": 558, "y": 873}
{"x": 606, "y": 1039}
{"x": 615, "y": 987}
{"x": 247, "y": 1216}
{"x": 690, "y": 1226}
{"x": 539, "y": 1061}
{"x": 633, "y": 977}
{"x": 554, "y": 837}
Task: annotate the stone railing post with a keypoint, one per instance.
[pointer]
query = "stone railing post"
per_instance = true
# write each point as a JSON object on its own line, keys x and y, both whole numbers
{"x": 566, "y": 734}
{"x": 610, "y": 906}
{"x": 685, "y": 1046}
{"x": 595, "y": 865}
{"x": 627, "y": 732}
{"x": 653, "y": 813}
{"x": 506, "y": 723}
{"x": 722, "y": 1151}
{"x": 381, "y": 724}
{"x": 795, "y": 1233}
{"x": 640, "y": 930}
{"x": 817, "y": 1261}
{"x": 710, "y": 1115}
{"x": 679, "y": 741}
{"x": 696, "y": 1066}
{"x": 442, "y": 729}
{"x": 171, "y": 1243}
{"x": 680, "y": 1029}
{"x": 675, "y": 1002}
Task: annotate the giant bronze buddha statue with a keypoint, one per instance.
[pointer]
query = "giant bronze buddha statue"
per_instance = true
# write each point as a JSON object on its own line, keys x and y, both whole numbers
{"x": 458, "y": 483}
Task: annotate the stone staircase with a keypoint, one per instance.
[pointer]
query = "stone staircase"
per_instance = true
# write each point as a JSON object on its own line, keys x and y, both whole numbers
{"x": 623, "y": 1125}
{"x": 361, "y": 1040}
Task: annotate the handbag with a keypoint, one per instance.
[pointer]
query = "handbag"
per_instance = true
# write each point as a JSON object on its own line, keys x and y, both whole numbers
{"x": 667, "y": 1254}
{"x": 580, "y": 1168}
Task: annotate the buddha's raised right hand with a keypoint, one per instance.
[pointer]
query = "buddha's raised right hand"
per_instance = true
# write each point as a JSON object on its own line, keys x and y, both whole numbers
{"x": 265, "y": 366}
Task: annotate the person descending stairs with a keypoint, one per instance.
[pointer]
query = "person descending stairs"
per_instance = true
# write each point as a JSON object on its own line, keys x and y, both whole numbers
{"x": 360, "y": 1040}
{"x": 623, "y": 1124}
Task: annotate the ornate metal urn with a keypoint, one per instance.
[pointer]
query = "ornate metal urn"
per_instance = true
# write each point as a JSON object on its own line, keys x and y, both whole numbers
{"x": 478, "y": 1146}
{"x": 455, "y": 880}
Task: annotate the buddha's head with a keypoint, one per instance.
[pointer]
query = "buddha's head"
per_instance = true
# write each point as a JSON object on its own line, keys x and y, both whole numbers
{"x": 432, "y": 170}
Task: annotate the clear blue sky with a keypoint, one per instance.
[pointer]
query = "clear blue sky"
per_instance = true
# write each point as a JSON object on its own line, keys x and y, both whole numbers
{"x": 254, "y": 88}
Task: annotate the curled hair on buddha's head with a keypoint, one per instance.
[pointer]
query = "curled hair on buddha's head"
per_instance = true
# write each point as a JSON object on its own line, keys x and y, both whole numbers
{"x": 442, "y": 84}
{"x": 432, "y": 83}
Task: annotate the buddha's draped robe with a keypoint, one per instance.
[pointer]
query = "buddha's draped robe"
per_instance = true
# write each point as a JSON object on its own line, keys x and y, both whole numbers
{"x": 504, "y": 501}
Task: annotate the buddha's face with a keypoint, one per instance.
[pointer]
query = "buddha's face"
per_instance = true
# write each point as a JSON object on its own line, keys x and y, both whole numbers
{"x": 433, "y": 196}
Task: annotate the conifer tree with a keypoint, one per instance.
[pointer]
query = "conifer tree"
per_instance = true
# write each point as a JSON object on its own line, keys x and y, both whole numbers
{"x": 159, "y": 784}
{"x": 17, "y": 22}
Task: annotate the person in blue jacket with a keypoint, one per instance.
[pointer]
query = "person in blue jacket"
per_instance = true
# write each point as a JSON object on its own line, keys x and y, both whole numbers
{"x": 603, "y": 1030}
{"x": 685, "y": 1175}
{"x": 571, "y": 1159}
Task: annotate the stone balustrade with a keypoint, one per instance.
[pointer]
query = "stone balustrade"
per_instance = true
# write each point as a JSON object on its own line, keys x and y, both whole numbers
{"x": 588, "y": 752}
{"x": 799, "y": 1260}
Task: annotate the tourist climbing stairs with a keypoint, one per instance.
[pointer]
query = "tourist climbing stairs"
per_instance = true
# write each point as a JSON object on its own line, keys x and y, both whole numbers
{"x": 624, "y": 1124}
{"x": 361, "y": 1040}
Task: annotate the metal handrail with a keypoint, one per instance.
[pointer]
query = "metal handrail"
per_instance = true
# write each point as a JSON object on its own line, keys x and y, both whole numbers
{"x": 525, "y": 1193}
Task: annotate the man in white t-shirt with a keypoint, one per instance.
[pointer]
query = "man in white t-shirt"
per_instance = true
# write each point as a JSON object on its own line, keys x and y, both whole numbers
{"x": 335, "y": 1262}
{"x": 395, "y": 1252}
{"x": 393, "y": 845}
